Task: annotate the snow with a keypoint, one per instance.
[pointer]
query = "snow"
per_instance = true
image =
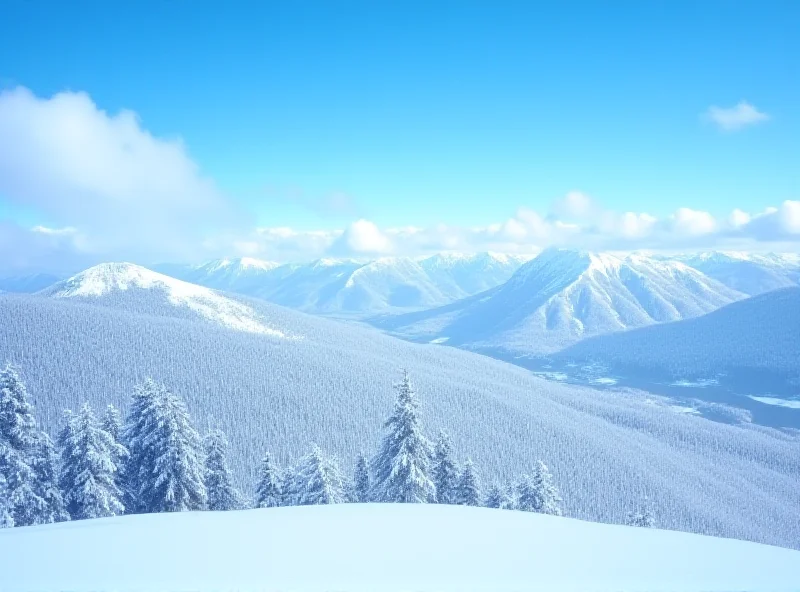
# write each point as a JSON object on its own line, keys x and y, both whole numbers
{"x": 106, "y": 278}
{"x": 778, "y": 402}
{"x": 379, "y": 548}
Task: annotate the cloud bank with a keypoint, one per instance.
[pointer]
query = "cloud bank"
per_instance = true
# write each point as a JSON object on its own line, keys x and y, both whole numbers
{"x": 105, "y": 188}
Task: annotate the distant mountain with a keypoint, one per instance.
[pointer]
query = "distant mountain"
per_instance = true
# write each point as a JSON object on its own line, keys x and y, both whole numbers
{"x": 355, "y": 288}
{"x": 135, "y": 289}
{"x": 564, "y": 296}
{"x": 94, "y": 338}
{"x": 28, "y": 284}
{"x": 756, "y": 339}
{"x": 750, "y": 273}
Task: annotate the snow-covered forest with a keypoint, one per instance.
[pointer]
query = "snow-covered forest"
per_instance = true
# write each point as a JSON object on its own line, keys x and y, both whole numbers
{"x": 155, "y": 460}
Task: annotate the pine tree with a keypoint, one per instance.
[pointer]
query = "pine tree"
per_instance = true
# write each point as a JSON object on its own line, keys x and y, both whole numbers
{"x": 19, "y": 438}
{"x": 445, "y": 472}
{"x": 46, "y": 481}
{"x": 401, "y": 466}
{"x": 361, "y": 485}
{"x": 537, "y": 493}
{"x": 222, "y": 495}
{"x": 641, "y": 516}
{"x": 509, "y": 497}
{"x": 468, "y": 489}
{"x": 6, "y": 519}
{"x": 90, "y": 490}
{"x": 495, "y": 497}
{"x": 287, "y": 479}
{"x": 268, "y": 489}
{"x": 112, "y": 422}
{"x": 318, "y": 480}
{"x": 165, "y": 463}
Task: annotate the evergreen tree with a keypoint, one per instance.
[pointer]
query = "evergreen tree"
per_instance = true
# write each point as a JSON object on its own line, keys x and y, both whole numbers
{"x": 361, "y": 480}
{"x": 165, "y": 463}
{"x": 445, "y": 472}
{"x": 287, "y": 479}
{"x": 468, "y": 489}
{"x": 509, "y": 497}
{"x": 90, "y": 490}
{"x": 46, "y": 481}
{"x": 401, "y": 466}
{"x": 6, "y": 519}
{"x": 18, "y": 441}
{"x": 495, "y": 497}
{"x": 641, "y": 516}
{"x": 537, "y": 493}
{"x": 112, "y": 422}
{"x": 318, "y": 480}
{"x": 268, "y": 489}
{"x": 222, "y": 495}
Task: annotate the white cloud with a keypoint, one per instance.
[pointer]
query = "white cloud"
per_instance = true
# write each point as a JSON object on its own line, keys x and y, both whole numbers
{"x": 104, "y": 175}
{"x": 782, "y": 222}
{"x": 687, "y": 221}
{"x": 363, "y": 237}
{"x": 574, "y": 205}
{"x": 738, "y": 218}
{"x": 737, "y": 117}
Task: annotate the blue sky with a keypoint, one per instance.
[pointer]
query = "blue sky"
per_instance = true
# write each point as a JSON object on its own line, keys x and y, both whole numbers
{"x": 312, "y": 115}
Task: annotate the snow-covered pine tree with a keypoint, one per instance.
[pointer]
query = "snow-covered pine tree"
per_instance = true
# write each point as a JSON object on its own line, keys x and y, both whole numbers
{"x": 495, "y": 497}
{"x": 88, "y": 471}
{"x": 537, "y": 493}
{"x": 165, "y": 464}
{"x": 509, "y": 496}
{"x": 111, "y": 422}
{"x": 268, "y": 488}
{"x": 18, "y": 440}
{"x": 401, "y": 467}
{"x": 641, "y": 516}
{"x": 222, "y": 495}
{"x": 361, "y": 480}
{"x": 468, "y": 488}
{"x": 46, "y": 481}
{"x": 318, "y": 480}
{"x": 6, "y": 519}
{"x": 287, "y": 480}
{"x": 445, "y": 472}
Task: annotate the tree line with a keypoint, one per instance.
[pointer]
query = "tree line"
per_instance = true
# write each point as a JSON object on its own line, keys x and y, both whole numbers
{"x": 154, "y": 460}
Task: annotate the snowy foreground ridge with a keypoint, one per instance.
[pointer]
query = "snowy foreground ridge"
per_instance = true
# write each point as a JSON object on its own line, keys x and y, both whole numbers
{"x": 378, "y": 548}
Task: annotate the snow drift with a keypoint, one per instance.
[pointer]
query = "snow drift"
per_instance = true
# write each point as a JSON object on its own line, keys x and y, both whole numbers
{"x": 381, "y": 547}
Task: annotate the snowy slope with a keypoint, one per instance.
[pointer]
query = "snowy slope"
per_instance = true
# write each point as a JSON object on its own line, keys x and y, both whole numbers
{"x": 751, "y": 340}
{"x": 136, "y": 289}
{"x": 353, "y": 288}
{"x": 563, "y": 296}
{"x": 334, "y": 387}
{"x": 381, "y": 548}
{"x": 750, "y": 273}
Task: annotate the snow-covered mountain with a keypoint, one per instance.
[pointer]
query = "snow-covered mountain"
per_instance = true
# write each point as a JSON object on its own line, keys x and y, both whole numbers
{"x": 136, "y": 289}
{"x": 369, "y": 548}
{"x": 352, "y": 287}
{"x": 334, "y": 387}
{"x": 564, "y": 296}
{"x": 28, "y": 283}
{"x": 750, "y": 273}
{"x": 756, "y": 340}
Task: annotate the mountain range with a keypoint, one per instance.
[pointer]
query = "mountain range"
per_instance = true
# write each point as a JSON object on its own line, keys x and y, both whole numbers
{"x": 297, "y": 379}
{"x": 563, "y": 296}
{"x": 351, "y": 287}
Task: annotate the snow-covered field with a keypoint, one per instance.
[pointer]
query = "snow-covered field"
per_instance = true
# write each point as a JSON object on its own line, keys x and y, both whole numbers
{"x": 380, "y": 548}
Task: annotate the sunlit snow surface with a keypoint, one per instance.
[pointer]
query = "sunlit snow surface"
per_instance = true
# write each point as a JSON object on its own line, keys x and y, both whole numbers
{"x": 779, "y": 402}
{"x": 376, "y": 548}
{"x": 103, "y": 279}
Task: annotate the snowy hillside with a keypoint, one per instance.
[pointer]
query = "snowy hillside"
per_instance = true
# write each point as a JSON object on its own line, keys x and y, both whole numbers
{"x": 136, "y": 289}
{"x": 563, "y": 296}
{"x": 381, "y": 548}
{"x": 350, "y": 287}
{"x": 750, "y": 273}
{"x": 756, "y": 339}
{"x": 334, "y": 387}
